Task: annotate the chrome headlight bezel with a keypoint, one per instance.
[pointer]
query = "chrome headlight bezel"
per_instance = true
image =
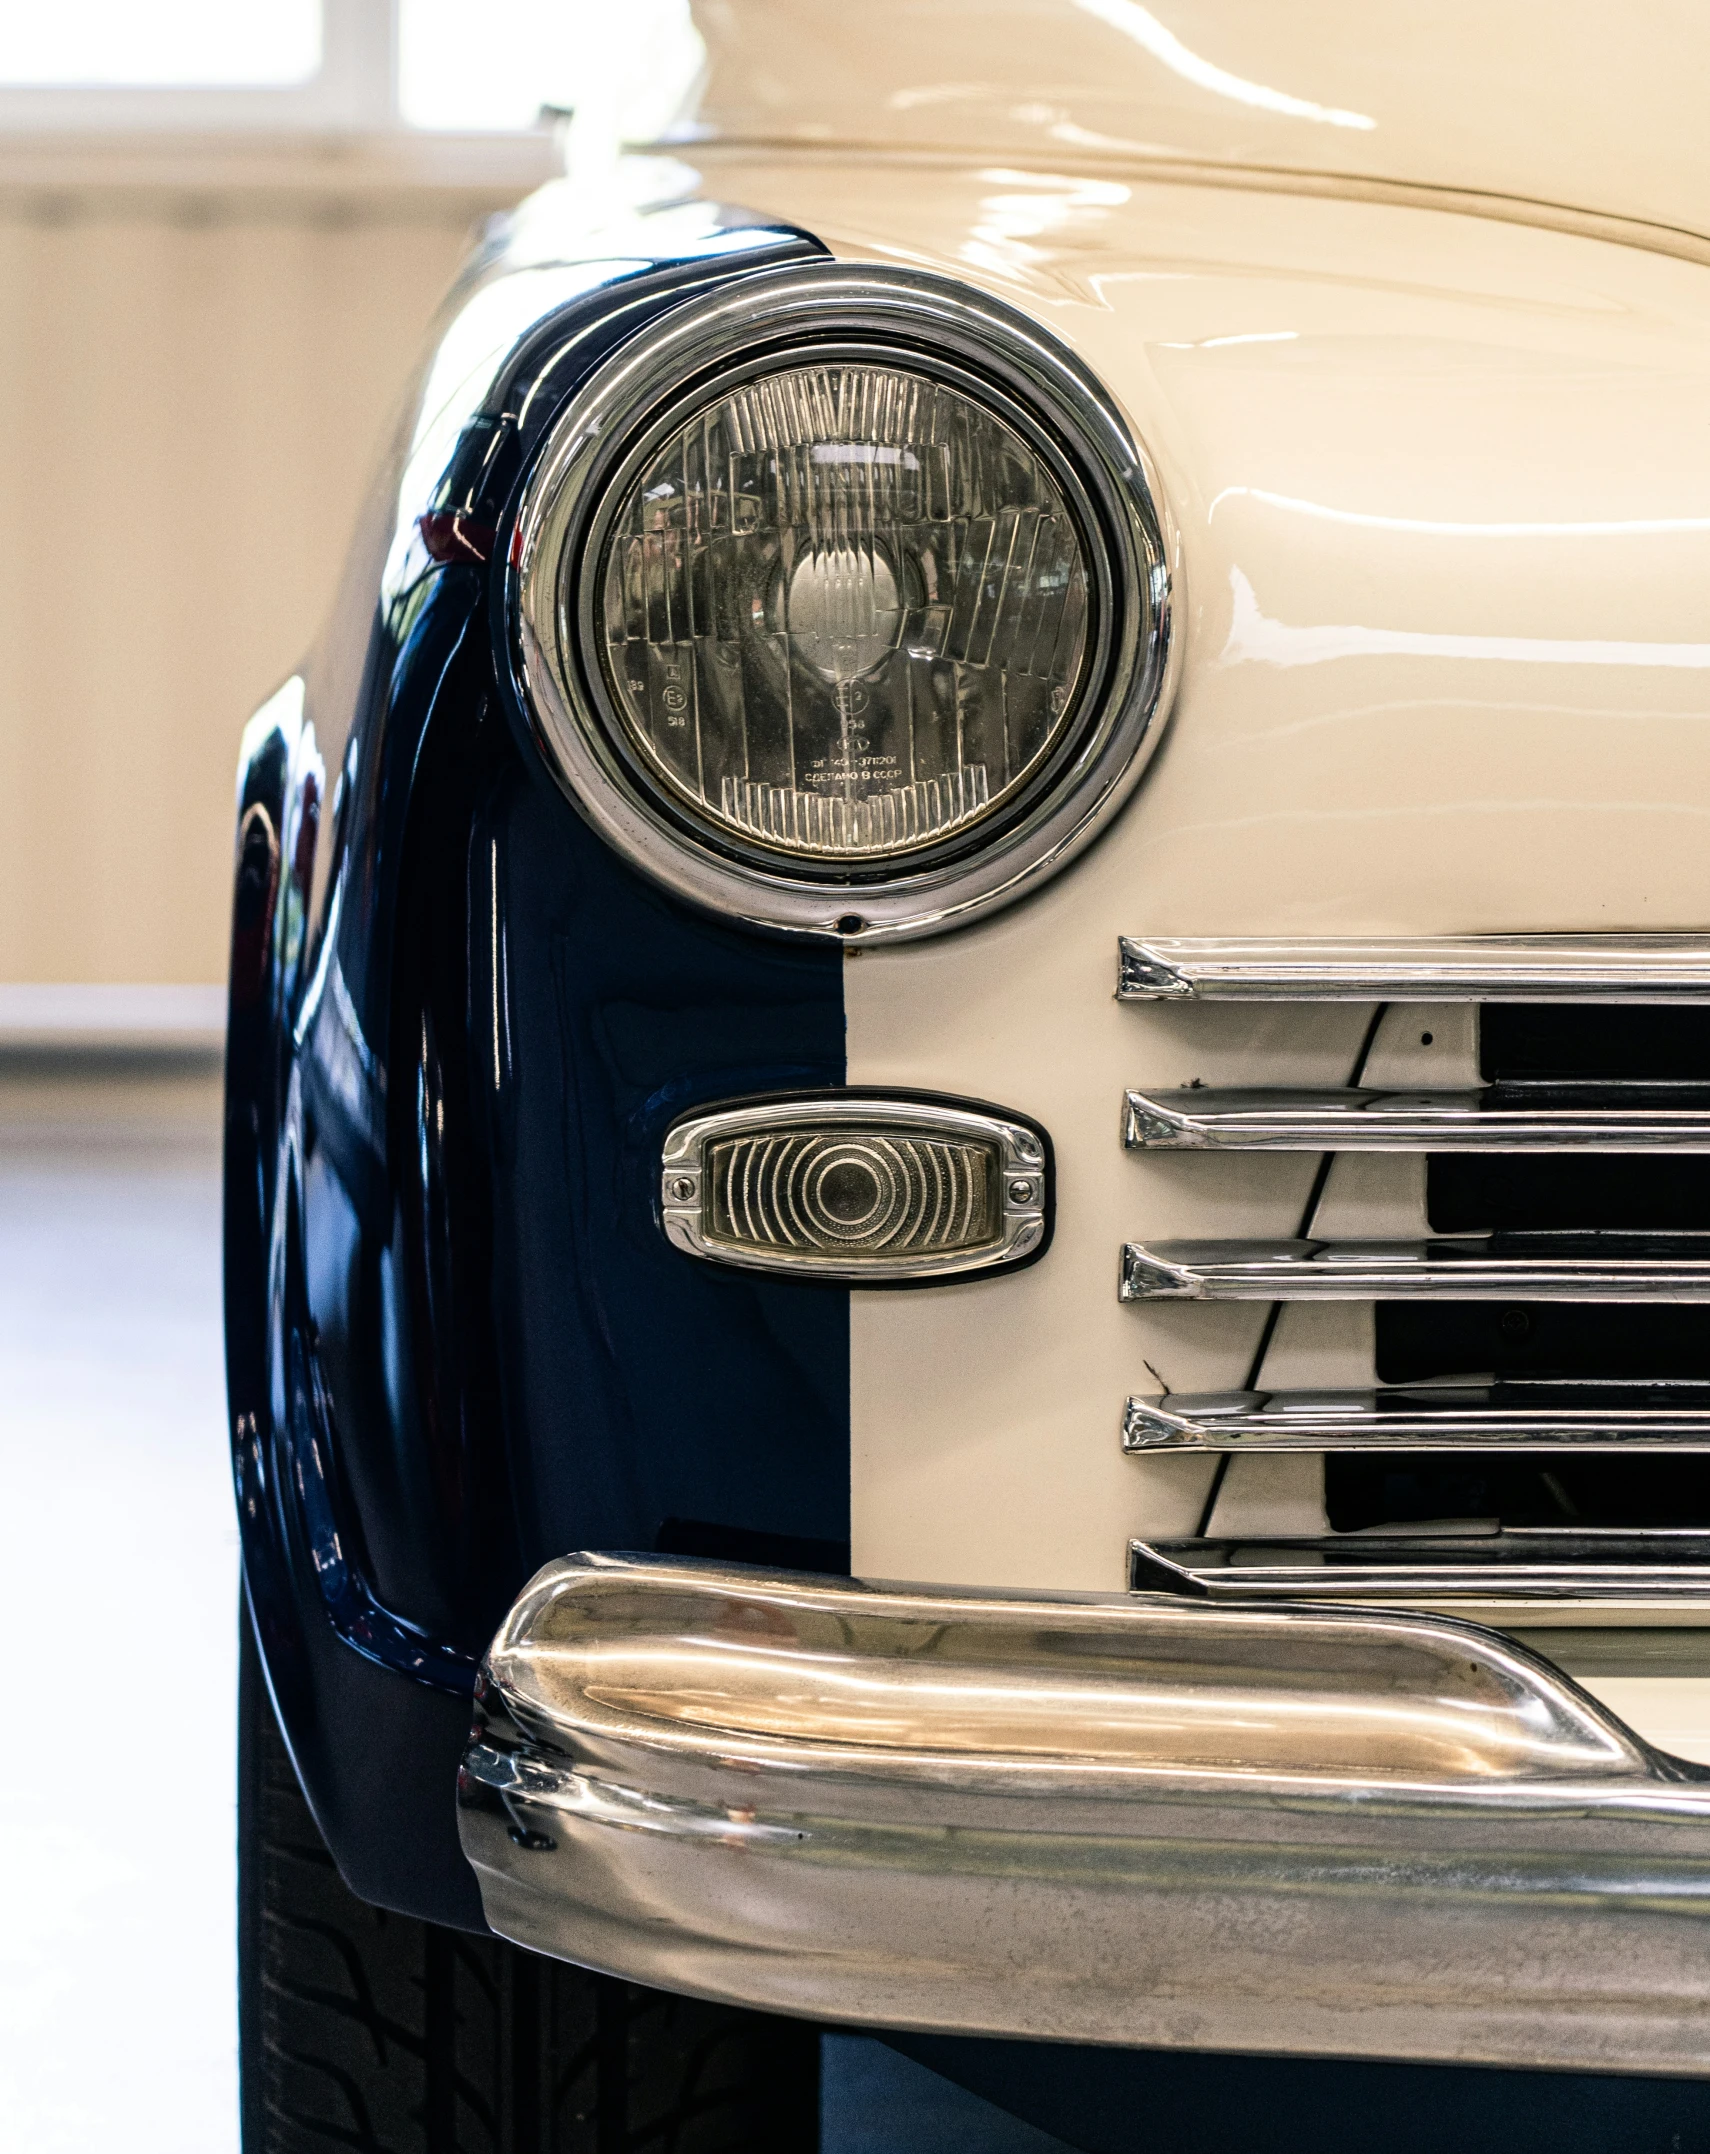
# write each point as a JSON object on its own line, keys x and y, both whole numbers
{"x": 777, "y": 318}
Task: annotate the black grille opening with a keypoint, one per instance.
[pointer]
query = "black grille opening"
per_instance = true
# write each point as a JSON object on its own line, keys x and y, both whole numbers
{"x": 1589, "y": 1043}
{"x": 1579, "y": 1051}
{"x": 1542, "y": 1341}
{"x": 1567, "y": 1192}
{"x": 1556, "y": 1490}
{"x": 1630, "y": 1049}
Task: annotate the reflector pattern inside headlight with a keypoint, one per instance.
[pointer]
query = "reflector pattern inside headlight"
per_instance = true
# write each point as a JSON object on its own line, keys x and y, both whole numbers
{"x": 845, "y": 611}
{"x": 856, "y": 1187}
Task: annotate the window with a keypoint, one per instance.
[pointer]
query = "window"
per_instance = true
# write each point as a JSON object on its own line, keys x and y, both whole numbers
{"x": 489, "y": 68}
{"x": 438, "y": 66}
{"x": 174, "y": 44}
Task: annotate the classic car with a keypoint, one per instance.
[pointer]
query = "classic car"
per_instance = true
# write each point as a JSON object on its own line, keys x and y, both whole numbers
{"x": 968, "y": 1135}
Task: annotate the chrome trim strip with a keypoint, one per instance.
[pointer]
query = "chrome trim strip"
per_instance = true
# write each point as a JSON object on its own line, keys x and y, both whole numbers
{"x": 778, "y": 314}
{"x": 1024, "y": 1175}
{"x": 1325, "y": 1831}
{"x": 1476, "y": 1267}
{"x": 1624, "y": 1567}
{"x": 1494, "y": 1119}
{"x": 1462, "y": 1417}
{"x": 1450, "y": 968}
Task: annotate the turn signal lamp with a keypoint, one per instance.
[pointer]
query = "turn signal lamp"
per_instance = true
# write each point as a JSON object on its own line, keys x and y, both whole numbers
{"x": 862, "y": 1187}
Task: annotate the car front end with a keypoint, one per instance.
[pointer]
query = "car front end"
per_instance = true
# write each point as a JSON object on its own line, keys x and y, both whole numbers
{"x": 970, "y": 1070}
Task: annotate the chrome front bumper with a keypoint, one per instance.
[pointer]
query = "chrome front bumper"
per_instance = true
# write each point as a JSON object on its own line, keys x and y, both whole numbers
{"x": 1317, "y": 1831}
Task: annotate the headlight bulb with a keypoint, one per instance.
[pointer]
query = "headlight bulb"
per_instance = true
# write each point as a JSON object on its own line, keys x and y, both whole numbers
{"x": 844, "y": 611}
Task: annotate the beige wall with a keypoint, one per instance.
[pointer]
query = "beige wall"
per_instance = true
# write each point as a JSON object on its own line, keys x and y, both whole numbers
{"x": 198, "y": 353}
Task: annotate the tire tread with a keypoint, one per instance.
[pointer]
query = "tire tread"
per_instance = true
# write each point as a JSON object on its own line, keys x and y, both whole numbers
{"x": 370, "y": 2032}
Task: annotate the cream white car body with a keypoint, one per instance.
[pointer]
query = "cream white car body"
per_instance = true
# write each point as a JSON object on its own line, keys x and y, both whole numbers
{"x": 1416, "y": 328}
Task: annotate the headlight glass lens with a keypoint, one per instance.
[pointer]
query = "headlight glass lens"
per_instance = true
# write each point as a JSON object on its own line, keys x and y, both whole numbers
{"x": 844, "y": 612}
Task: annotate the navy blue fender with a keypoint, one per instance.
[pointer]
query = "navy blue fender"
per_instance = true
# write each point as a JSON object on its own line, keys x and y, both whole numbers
{"x": 457, "y": 1343}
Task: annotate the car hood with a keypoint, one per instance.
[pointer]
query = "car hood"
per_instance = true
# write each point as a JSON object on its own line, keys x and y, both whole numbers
{"x": 1573, "y": 104}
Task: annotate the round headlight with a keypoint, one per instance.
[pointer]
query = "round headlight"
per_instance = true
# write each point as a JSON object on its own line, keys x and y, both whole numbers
{"x": 844, "y": 611}
{"x": 842, "y": 602}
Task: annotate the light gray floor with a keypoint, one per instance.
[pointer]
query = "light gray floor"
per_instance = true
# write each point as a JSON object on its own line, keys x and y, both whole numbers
{"x": 118, "y": 1607}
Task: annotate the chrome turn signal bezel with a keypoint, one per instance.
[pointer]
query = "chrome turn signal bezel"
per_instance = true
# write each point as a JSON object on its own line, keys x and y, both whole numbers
{"x": 779, "y": 317}
{"x": 1025, "y": 1178}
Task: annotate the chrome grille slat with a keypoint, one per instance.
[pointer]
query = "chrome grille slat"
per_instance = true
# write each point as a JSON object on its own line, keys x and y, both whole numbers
{"x": 1488, "y": 1119}
{"x": 1486, "y": 1417}
{"x": 1395, "y": 1514}
{"x": 1609, "y": 1267}
{"x": 1404, "y": 1567}
{"x": 1455, "y": 968}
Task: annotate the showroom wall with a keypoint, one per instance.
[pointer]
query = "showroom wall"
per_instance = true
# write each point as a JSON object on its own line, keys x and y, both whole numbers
{"x": 200, "y": 345}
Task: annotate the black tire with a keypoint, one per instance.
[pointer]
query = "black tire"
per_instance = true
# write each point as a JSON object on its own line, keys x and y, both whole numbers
{"x": 374, "y": 2031}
